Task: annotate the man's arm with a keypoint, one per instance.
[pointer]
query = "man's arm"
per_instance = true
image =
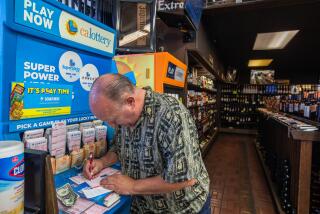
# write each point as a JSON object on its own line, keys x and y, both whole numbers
{"x": 123, "y": 184}
{"x": 109, "y": 159}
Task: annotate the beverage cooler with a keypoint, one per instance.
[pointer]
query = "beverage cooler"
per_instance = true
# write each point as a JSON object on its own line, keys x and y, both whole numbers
{"x": 161, "y": 71}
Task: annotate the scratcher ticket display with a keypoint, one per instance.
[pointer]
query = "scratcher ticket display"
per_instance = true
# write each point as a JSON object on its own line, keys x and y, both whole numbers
{"x": 16, "y": 101}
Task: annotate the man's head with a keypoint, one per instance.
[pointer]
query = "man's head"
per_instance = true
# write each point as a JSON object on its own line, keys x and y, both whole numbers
{"x": 115, "y": 100}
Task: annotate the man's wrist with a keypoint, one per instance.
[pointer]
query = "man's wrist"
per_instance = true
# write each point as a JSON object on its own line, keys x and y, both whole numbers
{"x": 134, "y": 187}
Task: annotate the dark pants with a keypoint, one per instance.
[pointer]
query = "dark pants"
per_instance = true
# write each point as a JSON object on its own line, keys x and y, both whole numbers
{"x": 206, "y": 209}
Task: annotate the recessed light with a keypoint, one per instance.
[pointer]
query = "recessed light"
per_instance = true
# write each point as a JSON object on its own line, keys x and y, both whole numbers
{"x": 259, "y": 62}
{"x": 273, "y": 40}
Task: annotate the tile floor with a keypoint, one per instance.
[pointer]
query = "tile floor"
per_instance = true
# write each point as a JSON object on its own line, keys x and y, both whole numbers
{"x": 238, "y": 184}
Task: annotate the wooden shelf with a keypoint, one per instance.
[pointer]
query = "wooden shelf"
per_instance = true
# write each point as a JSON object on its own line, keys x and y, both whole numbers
{"x": 199, "y": 88}
{"x": 272, "y": 188}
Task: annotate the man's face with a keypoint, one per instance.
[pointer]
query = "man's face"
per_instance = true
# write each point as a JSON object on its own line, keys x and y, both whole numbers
{"x": 114, "y": 113}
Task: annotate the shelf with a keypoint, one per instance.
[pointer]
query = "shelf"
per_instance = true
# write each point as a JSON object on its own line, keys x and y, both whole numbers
{"x": 204, "y": 133}
{"x": 199, "y": 88}
{"x": 196, "y": 55}
{"x": 206, "y": 148}
{"x": 302, "y": 119}
{"x": 196, "y": 106}
{"x": 272, "y": 188}
{"x": 177, "y": 19}
{"x": 240, "y": 103}
{"x": 241, "y": 93}
{"x": 241, "y": 113}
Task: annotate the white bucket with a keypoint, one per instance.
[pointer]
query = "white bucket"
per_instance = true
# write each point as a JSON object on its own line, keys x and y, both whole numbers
{"x": 11, "y": 177}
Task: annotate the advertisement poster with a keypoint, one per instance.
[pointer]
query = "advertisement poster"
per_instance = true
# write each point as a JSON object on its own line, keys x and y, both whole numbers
{"x": 30, "y": 100}
{"x": 63, "y": 67}
{"x": 262, "y": 77}
{"x": 45, "y": 17}
{"x": 141, "y": 65}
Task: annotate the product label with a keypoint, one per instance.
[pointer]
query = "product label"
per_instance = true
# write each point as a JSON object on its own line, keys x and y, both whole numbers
{"x": 12, "y": 168}
{"x": 12, "y": 184}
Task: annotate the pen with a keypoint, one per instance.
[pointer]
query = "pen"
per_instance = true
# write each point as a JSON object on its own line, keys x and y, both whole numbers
{"x": 90, "y": 162}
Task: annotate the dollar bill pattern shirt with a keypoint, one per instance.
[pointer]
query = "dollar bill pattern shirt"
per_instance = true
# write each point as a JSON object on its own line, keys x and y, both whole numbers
{"x": 163, "y": 142}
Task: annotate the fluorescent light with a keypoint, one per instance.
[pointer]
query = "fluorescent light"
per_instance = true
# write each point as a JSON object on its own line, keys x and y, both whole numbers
{"x": 273, "y": 40}
{"x": 259, "y": 62}
{"x": 135, "y": 35}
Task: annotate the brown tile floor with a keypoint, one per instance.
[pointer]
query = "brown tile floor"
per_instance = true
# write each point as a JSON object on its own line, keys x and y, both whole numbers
{"x": 238, "y": 184}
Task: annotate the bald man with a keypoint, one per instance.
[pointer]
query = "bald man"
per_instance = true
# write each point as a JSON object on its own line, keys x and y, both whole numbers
{"x": 157, "y": 145}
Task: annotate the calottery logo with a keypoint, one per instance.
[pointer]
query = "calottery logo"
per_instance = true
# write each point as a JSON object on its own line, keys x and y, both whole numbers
{"x": 72, "y": 27}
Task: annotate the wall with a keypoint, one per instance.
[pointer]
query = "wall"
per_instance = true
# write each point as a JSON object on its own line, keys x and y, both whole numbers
{"x": 171, "y": 39}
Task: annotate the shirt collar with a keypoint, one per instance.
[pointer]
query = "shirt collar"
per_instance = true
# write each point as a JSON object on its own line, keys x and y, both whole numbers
{"x": 148, "y": 107}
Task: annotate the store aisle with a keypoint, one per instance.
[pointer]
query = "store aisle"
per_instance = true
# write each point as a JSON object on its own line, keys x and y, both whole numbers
{"x": 238, "y": 184}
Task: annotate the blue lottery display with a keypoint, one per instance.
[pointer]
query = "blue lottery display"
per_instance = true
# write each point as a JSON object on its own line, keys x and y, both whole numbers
{"x": 47, "y": 46}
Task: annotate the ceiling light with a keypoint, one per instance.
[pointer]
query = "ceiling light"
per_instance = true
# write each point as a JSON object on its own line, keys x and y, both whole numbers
{"x": 273, "y": 40}
{"x": 135, "y": 35}
{"x": 259, "y": 62}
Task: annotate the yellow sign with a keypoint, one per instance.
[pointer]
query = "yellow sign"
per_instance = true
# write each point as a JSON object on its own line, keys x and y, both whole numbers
{"x": 30, "y": 100}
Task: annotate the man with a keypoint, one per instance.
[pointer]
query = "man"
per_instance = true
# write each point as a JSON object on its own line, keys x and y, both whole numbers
{"x": 157, "y": 145}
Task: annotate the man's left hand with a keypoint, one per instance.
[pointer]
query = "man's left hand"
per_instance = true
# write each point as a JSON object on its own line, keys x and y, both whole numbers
{"x": 118, "y": 183}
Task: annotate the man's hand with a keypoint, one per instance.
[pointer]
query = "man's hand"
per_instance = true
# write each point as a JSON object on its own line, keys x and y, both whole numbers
{"x": 97, "y": 166}
{"x": 121, "y": 184}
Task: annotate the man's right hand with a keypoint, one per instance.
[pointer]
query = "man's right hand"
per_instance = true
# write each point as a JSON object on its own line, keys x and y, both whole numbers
{"x": 96, "y": 167}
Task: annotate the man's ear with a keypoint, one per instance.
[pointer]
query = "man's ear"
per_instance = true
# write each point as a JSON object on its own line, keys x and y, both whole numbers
{"x": 131, "y": 101}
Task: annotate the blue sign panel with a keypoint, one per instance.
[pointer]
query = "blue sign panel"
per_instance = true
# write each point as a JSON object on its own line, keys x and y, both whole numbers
{"x": 64, "y": 67}
{"x": 48, "y": 18}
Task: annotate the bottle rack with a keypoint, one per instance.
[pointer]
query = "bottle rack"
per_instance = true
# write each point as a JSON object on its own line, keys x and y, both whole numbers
{"x": 202, "y": 96}
{"x": 239, "y": 104}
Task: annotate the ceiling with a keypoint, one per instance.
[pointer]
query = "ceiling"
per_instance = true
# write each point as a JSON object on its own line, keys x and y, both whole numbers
{"x": 233, "y": 30}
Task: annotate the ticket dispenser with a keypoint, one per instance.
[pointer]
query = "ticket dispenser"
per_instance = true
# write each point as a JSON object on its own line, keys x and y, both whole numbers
{"x": 50, "y": 55}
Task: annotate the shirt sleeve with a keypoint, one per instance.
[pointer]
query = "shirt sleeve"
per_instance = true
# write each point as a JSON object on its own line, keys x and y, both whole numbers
{"x": 176, "y": 149}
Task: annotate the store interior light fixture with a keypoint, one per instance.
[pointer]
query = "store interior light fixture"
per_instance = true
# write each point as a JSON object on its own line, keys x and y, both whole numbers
{"x": 273, "y": 40}
{"x": 259, "y": 62}
{"x": 135, "y": 35}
